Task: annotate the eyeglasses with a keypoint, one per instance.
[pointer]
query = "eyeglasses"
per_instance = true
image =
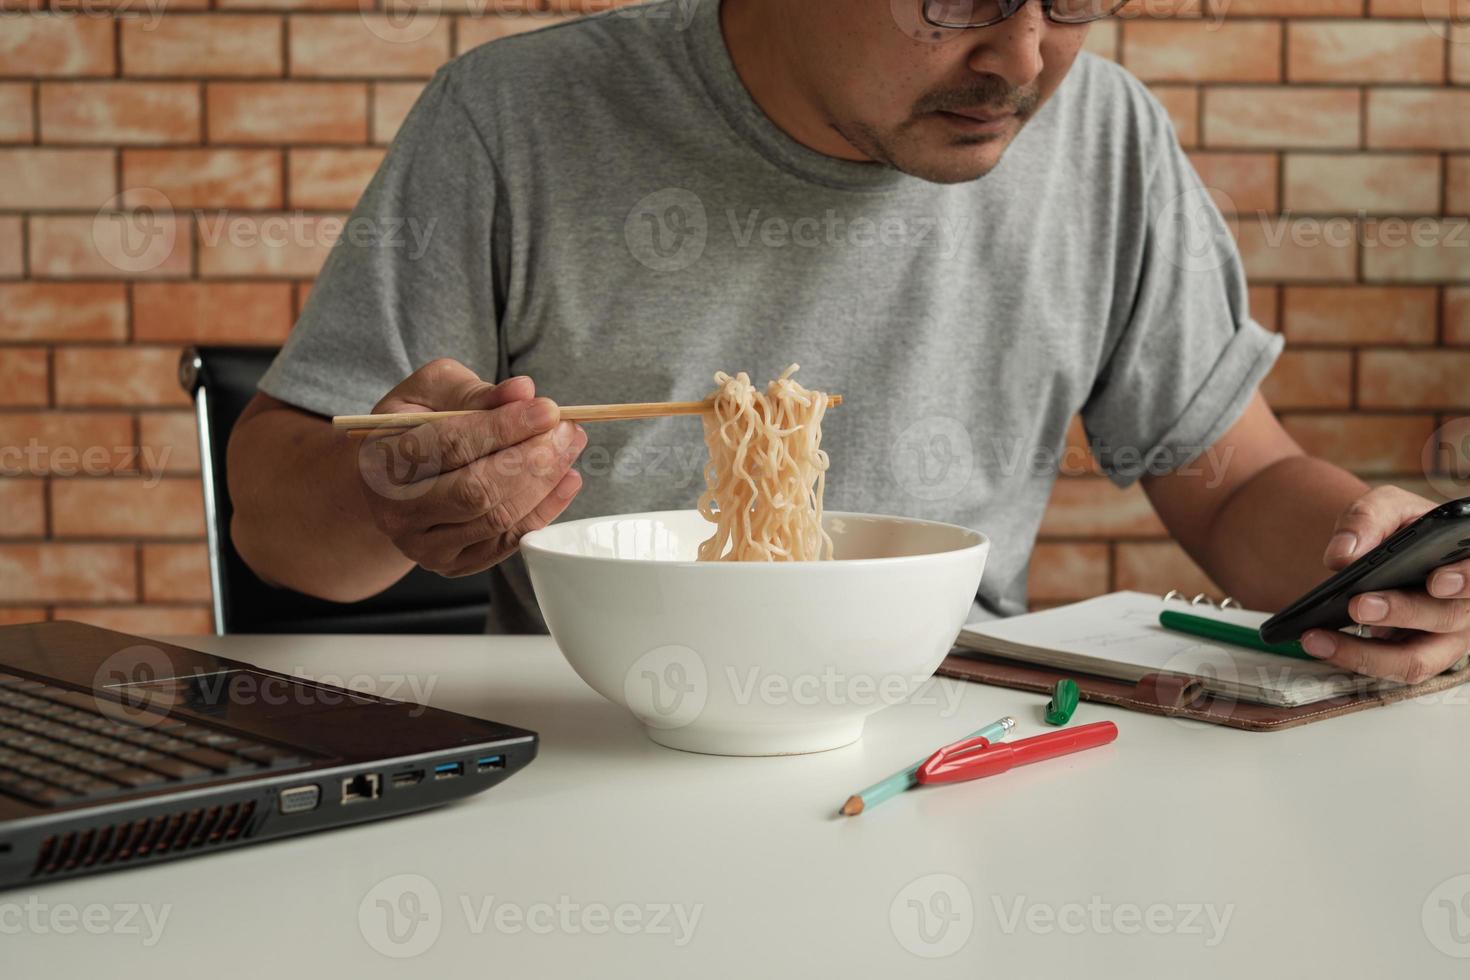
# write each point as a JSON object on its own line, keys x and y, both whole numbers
{"x": 965, "y": 14}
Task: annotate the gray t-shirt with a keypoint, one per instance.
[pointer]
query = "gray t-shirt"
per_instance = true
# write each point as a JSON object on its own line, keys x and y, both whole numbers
{"x": 600, "y": 205}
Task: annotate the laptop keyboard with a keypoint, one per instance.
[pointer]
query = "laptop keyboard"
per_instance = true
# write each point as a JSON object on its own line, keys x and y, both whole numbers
{"x": 57, "y": 747}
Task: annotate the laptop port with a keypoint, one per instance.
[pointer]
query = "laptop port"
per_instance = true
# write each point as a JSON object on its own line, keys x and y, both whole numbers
{"x": 356, "y": 789}
{"x": 448, "y": 770}
{"x": 411, "y": 778}
{"x": 300, "y": 799}
{"x": 489, "y": 762}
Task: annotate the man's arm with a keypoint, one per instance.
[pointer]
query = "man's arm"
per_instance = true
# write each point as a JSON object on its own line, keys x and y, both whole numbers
{"x": 343, "y": 520}
{"x": 1254, "y": 511}
{"x": 300, "y": 519}
{"x": 1268, "y": 522}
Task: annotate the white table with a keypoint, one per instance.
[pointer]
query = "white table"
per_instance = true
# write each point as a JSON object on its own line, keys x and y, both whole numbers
{"x": 1337, "y": 849}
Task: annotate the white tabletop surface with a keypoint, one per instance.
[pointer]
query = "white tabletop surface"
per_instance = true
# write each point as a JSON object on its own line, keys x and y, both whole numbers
{"x": 1337, "y": 849}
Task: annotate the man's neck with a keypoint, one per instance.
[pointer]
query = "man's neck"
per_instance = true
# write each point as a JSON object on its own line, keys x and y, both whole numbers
{"x": 762, "y": 49}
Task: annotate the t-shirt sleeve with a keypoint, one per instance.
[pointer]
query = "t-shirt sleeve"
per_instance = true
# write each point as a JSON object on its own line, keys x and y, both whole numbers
{"x": 1187, "y": 357}
{"x": 410, "y": 279}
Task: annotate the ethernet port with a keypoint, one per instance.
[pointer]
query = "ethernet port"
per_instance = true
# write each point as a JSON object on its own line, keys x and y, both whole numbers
{"x": 356, "y": 789}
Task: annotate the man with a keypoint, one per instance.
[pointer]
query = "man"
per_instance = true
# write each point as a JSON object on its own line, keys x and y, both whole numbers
{"x": 941, "y": 209}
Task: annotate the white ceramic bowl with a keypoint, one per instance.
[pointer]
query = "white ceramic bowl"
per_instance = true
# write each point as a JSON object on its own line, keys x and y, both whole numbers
{"x": 753, "y": 658}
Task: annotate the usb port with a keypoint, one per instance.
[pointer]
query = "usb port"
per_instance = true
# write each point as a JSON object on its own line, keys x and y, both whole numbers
{"x": 489, "y": 762}
{"x": 448, "y": 770}
{"x": 411, "y": 778}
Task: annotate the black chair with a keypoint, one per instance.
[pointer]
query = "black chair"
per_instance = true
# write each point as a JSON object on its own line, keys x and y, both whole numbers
{"x": 222, "y": 381}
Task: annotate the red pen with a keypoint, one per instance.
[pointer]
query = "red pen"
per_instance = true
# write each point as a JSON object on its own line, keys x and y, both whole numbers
{"x": 973, "y": 758}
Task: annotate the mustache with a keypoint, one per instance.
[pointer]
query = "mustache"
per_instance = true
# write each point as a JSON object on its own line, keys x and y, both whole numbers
{"x": 990, "y": 94}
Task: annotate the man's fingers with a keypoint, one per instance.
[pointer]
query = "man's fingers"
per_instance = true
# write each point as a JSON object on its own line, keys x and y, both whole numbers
{"x": 447, "y": 444}
{"x": 1369, "y": 520}
{"x": 446, "y": 385}
{"x": 1411, "y": 611}
{"x": 1451, "y": 581}
{"x": 1409, "y": 662}
{"x": 486, "y": 553}
{"x": 492, "y": 494}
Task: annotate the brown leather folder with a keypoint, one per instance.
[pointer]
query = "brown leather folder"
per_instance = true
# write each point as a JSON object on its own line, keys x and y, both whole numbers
{"x": 1181, "y": 696}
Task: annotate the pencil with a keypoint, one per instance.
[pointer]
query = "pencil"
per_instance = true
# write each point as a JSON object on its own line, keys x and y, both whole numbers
{"x": 908, "y": 778}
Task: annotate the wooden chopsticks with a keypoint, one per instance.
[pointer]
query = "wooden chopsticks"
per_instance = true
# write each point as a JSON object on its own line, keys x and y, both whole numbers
{"x": 389, "y": 423}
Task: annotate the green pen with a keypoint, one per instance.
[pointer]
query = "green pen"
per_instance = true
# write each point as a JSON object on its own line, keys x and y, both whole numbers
{"x": 1241, "y": 636}
{"x": 909, "y": 778}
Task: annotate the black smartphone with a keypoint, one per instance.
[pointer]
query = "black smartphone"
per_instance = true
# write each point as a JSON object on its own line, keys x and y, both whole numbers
{"x": 1405, "y": 560}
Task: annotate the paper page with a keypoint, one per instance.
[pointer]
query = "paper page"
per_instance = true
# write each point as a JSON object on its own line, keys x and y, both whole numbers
{"x": 1122, "y": 629}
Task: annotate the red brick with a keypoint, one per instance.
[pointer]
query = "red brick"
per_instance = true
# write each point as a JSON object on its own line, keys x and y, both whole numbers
{"x": 64, "y": 444}
{"x": 51, "y": 45}
{"x": 1279, "y": 249}
{"x": 1413, "y": 118}
{"x": 176, "y": 572}
{"x": 168, "y": 442}
{"x": 1157, "y": 567}
{"x": 1067, "y": 571}
{"x": 303, "y": 293}
{"x": 367, "y": 46}
{"x": 1424, "y": 9}
{"x": 1364, "y": 51}
{"x": 56, "y": 571}
{"x": 17, "y": 122}
{"x": 287, "y": 112}
{"x": 209, "y": 47}
{"x": 1203, "y": 51}
{"x": 1281, "y": 117}
{"x": 119, "y": 112}
{"x": 391, "y": 102}
{"x": 1287, "y": 8}
{"x": 1457, "y": 316}
{"x": 12, "y": 251}
{"x": 331, "y": 179}
{"x": 1417, "y": 250}
{"x": 1182, "y": 104}
{"x": 212, "y": 312}
{"x": 1413, "y": 379}
{"x": 1310, "y": 379}
{"x": 1102, "y": 38}
{"x": 1155, "y": 9}
{"x": 63, "y": 311}
{"x": 127, "y": 507}
{"x": 97, "y": 376}
{"x": 207, "y": 178}
{"x": 1377, "y": 183}
{"x": 149, "y": 11}
{"x": 110, "y": 245}
{"x": 292, "y": 4}
{"x": 1457, "y": 185}
{"x": 271, "y": 245}
{"x": 1244, "y": 182}
{"x": 1359, "y": 315}
{"x": 142, "y": 620}
{"x": 37, "y": 178}
{"x": 1091, "y": 507}
{"x": 23, "y": 374}
{"x": 1363, "y": 442}
{"x": 1263, "y": 303}
{"x": 12, "y": 615}
{"x": 23, "y": 502}
{"x": 1460, "y": 50}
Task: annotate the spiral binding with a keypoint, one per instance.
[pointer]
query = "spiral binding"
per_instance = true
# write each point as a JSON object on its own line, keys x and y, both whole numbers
{"x": 1202, "y": 600}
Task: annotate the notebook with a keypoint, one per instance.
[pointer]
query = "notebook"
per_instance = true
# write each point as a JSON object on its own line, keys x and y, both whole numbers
{"x": 1119, "y": 636}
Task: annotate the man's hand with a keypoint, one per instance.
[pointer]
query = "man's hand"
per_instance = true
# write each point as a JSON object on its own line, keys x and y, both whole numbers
{"x": 1436, "y": 620}
{"x": 456, "y": 495}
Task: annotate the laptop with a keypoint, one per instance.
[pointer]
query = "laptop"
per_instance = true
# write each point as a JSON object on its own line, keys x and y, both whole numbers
{"x": 116, "y": 751}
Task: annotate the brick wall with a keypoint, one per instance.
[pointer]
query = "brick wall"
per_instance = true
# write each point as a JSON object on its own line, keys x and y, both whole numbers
{"x": 1336, "y": 133}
